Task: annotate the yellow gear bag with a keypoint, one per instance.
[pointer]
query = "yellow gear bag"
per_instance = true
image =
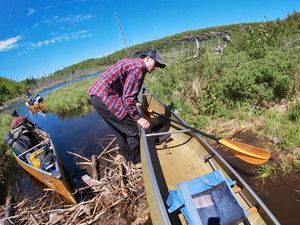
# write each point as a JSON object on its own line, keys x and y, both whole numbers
{"x": 34, "y": 158}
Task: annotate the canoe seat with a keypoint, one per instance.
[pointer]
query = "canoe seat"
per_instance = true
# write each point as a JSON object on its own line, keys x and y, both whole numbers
{"x": 48, "y": 162}
{"x": 207, "y": 200}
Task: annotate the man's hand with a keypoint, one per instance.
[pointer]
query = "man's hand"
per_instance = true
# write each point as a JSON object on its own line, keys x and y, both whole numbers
{"x": 138, "y": 105}
{"x": 143, "y": 123}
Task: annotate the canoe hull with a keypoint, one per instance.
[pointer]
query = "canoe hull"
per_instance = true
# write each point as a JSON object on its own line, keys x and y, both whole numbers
{"x": 56, "y": 183}
{"x": 38, "y": 107}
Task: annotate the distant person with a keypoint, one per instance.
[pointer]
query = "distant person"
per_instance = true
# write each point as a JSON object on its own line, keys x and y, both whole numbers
{"x": 2, "y": 106}
{"x": 38, "y": 99}
{"x": 114, "y": 96}
{"x": 29, "y": 101}
{"x": 18, "y": 120}
{"x": 28, "y": 94}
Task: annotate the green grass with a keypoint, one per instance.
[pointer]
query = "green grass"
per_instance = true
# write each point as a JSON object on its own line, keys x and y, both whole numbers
{"x": 5, "y": 120}
{"x": 6, "y": 157}
{"x": 70, "y": 98}
{"x": 277, "y": 124}
{"x": 266, "y": 170}
{"x": 293, "y": 112}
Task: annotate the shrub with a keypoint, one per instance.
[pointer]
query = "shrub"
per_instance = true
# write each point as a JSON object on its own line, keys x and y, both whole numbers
{"x": 257, "y": 39}
{"x": 293, "y": 112}
{"x": 263, "y": 79}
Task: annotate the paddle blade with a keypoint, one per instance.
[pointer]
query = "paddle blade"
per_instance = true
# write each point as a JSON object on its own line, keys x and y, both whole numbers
{"x": 245, "y": 152}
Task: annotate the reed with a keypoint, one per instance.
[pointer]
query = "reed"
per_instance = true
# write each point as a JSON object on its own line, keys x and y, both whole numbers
{"x": 6, "y": 157}
{"x": 70, "y": 98}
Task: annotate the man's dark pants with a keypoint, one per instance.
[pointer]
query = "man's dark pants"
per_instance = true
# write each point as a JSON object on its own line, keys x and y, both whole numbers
{"x": 126, "y": 131}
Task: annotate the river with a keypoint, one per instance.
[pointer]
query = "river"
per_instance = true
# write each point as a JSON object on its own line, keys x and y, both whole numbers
{"x": 79, "y": 134}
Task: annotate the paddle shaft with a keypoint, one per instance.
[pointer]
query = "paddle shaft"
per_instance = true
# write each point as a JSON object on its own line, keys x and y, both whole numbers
{"x": 188, "y": 127}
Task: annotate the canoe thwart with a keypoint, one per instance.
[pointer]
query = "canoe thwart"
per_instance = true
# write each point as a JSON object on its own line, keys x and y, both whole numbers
{"x": 167, "y": 132}
{"x": 29, "y": 150}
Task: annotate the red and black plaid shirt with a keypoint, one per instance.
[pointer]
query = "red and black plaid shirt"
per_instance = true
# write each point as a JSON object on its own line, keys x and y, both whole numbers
{"x": 119, "y": 86}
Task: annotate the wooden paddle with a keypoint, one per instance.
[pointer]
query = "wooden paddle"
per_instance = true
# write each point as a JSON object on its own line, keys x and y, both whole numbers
{"x": 245, "y": 152}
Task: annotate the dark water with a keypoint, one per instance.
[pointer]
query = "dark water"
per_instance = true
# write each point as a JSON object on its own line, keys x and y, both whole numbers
{"x": 281, "y": 194}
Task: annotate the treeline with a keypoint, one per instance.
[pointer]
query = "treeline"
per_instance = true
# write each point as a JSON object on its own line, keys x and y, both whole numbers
{"x": 10, "y": 88}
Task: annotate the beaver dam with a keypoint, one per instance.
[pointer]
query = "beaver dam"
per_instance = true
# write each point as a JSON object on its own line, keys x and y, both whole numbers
{"x": 111, "y": 193}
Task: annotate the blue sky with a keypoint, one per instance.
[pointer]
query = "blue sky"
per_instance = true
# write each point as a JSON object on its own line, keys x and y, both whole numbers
{"x": 38, "y": 37}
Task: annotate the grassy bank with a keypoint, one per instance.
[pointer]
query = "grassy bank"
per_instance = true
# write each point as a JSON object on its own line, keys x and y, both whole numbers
{"x": 6, "y": 157}
{"x": 70, "y": 98}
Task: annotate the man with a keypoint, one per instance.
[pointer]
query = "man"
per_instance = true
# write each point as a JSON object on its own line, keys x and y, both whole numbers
{"x": 28, "y": 94}
{"x": 114, "y": 96}
{"x": 29, "y": 101}
{"x": 17, "y": 120}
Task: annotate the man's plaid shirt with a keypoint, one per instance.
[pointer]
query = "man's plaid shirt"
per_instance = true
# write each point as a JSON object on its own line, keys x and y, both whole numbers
{"x": 119, "y": 86}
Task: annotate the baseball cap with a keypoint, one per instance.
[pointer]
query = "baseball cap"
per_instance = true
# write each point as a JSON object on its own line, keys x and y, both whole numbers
{"x": 14, "y": 113}
{"x": 156, "y": 56}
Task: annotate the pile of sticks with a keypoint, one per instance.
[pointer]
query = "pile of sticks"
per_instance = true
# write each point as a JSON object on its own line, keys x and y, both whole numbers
{"x": 118, "y": 197}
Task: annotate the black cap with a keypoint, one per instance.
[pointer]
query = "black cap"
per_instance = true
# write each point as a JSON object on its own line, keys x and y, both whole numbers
{"x": 14, "y": 113}
{"x": 156, "y": 56}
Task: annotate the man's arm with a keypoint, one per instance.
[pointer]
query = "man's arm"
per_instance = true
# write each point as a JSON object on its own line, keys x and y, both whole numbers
{"x": 131, "y": 89}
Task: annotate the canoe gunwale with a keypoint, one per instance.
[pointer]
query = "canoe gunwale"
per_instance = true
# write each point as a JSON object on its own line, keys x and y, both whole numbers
{"x": 158, "y": 198}
{"x": 40, "y": 170}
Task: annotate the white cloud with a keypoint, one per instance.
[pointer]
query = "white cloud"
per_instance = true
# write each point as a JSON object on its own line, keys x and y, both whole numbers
{"x": 9, "y": 43}
{"x": 68, "y": 19}
{"x": 30, "y": 11}
{"x": 79, "y": 18}
{"x": 65, "y": 37}
{"x": 35, "y": 25}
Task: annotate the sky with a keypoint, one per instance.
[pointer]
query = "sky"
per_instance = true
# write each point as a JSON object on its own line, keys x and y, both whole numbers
{"x": 39, "y": 37}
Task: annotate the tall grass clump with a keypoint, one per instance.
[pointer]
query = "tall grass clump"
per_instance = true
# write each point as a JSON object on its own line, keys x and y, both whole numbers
{"x": 293, "y": 112}
{"x": 70, "y": 98}
{"x": 6, "y": 157}
{"x": 279, "y": 125}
